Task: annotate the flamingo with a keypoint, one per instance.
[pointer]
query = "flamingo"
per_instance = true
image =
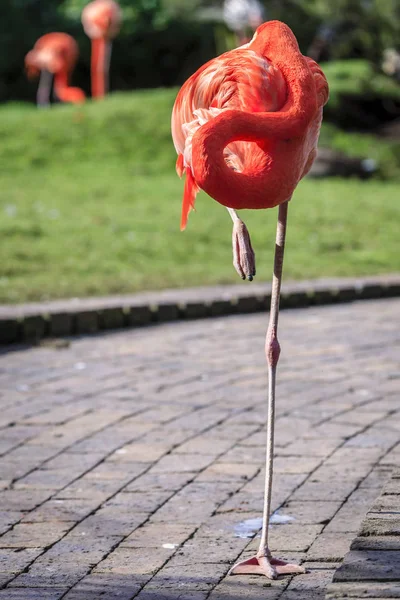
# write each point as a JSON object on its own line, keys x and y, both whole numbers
{"x": 245, "y": 127}
{"x": 54, "y": 54}
{"x": 101, "y": 21}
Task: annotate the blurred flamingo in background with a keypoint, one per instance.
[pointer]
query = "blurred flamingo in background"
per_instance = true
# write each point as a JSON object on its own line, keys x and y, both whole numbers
{"x": 242, "y": 15}
{"x": 54, "y": 54}
{"x": 101, "y": 21}
{"x": 245, "y": 127}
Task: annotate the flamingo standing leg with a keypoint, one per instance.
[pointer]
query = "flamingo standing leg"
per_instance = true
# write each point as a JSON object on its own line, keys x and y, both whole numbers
{"x": 44, "y": 89}
{"x": 243, "y": 253}
{"x": 263, "y": 563}
{"x": 101, "y": 21}
{"x": 107, "y": 63}
{"x": 100, "y": 65}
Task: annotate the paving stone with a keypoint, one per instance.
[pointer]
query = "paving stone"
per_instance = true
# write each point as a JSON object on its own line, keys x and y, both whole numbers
{"x": 296, "y": 464}
{"x": 315, "y": 579}
{"x": 8, "y": 519}
{"x": 325, "y": 491}
{"x": 63, "y": 576}
{"x": 312, "y": 566}
{"x": 202, "y": 444}
{"x": 368, "y": 589}
{"x": 153, "y": 482}
{"x": 45, "y": 479}
{"x": 330, "y": 546}
{"x": 110, "y": 522}
{"x": 98, "y": 586}
{"x": 197, "y": 578}
{"x": 352, "y": 512}
{"x": 32, "y": 594}
{"x": 383, "y": 524}
{"x": 137, "y": 452}
{"x": 178, "y": 463}
{"x": 309, "y": 511}
{"x": 346, "y": 454}
{"x": 317, "y": 594}
{"x": 386, "y": 504}
{"x": 371, "y": 565}
{"x": 204, "y": 548}
{"x": 59, "y": 565}
{"x": 310, "y": 447}
{"x": 14, "y": 561}
{"x": 246, "y": 588}
{"x": 244, "y": 454}
{"x": 376, "y": 479}
{"x": 129, "y": 561}
{"x": 376, "y": 542}
{"x": 182, "y": 509}
{"x": 293, "y": 538}
{"x": 392, "y": 488}
{"x": 155, "y": 592}
{"x": 150, "y": 535}
{"x": 228, "y": 471}
{"x": 34, "y": 535}
{"x": 62, "y": 510}
{"x": 142, "y": 502}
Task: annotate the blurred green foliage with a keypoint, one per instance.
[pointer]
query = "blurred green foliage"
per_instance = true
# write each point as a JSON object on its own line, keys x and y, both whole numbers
{"x": 360, "y": 97}
{"x": 159, "y": 45}
{"x": 163, "y": 41}
{"x": 362, "y": 28}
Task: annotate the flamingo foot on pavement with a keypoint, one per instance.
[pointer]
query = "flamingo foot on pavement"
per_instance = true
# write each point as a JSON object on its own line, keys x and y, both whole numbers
{"x": 266, "y": 565}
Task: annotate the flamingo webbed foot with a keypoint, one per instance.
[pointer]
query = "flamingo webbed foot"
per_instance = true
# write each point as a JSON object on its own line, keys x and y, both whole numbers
{"x": 244, "y": 259}
{"x": 266, "y": 565}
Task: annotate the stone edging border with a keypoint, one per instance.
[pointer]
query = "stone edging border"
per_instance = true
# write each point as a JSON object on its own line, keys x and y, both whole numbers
{"x": 29, "y": 323}
{"x": 371, "y": 569}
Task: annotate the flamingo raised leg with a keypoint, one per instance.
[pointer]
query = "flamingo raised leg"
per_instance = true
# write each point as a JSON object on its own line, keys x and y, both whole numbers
{"x": 246, "y": 128}
{"x": 101, "y": 21}
{"x": 54, "y": 54}
{"x": 244, "y": 259}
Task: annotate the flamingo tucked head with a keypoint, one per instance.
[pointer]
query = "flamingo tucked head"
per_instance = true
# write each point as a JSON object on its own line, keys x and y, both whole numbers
{"x": 246, "y": 124}
{"x": 56, "y": 53}
{"x": 53, "y": 52}
{"x": 102, "y": 19}
{"x": 32, "y": 69}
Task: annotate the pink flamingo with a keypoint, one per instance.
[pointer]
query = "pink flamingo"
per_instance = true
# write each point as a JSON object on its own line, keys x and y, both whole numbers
{"x": 245, "y": 127}
{"x": 54, "y": 54}
{"x": 101, "y": 21}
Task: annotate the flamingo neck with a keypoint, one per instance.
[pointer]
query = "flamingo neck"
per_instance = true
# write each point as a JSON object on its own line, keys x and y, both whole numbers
{"x": 100, "y": 66}
{"x": 277, "y": 43}
{"x": 64, "y": 92}
{"x": 264, "y": 185}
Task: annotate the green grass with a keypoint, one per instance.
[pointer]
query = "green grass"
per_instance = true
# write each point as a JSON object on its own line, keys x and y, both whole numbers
{"x": 357, "y": 77}
{"x": 90, "y": 204}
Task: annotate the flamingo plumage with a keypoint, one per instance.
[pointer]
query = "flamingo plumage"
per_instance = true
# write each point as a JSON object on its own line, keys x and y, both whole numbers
{"x": 54, "y": 54}
{"x": 101, "y": 21}
{"x": 245, "y": 127}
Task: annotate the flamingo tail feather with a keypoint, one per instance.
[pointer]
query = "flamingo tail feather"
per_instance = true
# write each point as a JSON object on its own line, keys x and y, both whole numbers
{"x": 179, "y": 165}
{"x": 189, "y": 197}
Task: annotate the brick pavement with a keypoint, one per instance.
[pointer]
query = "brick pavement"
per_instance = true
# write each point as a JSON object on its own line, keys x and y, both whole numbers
{"x": 129, "y": 459}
